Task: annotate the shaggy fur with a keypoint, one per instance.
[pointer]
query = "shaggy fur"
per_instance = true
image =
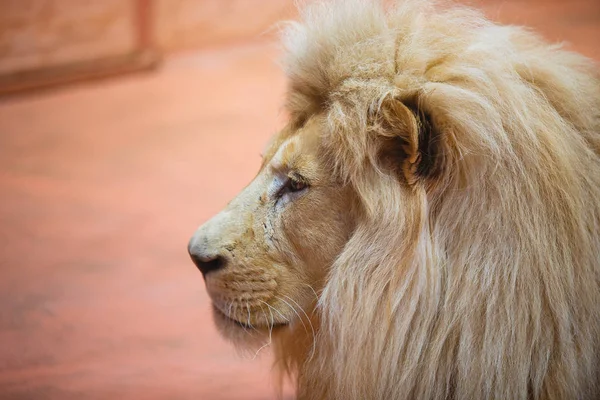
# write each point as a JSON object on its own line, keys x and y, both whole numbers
{"x": 489, "y": 287}
{"x": 472, "y": 269}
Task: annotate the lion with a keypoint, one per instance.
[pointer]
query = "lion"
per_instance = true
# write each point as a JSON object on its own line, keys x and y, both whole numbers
{"x": 427, "y": 223}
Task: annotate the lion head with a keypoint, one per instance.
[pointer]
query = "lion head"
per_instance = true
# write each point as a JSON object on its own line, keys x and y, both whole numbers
{"x": 427, "y": 225}
{"x": 266, "y": 254}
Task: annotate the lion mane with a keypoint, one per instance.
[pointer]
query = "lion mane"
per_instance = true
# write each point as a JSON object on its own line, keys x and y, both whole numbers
{"x": 476, "y": 271}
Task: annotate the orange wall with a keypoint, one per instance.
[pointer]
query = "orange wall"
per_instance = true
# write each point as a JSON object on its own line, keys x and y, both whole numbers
{"x": 44, "y": 33}
{"x": 35, "y": 34}
{"x": 38, "y": 34}
{"x": 187, "y": 24}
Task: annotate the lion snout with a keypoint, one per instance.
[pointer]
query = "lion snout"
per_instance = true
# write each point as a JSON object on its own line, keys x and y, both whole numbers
{"x": 207, "y": 263}
{"x": 206, "y": 257}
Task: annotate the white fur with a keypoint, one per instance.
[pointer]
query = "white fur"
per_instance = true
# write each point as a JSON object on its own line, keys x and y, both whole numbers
{"x": 484, "y": 282}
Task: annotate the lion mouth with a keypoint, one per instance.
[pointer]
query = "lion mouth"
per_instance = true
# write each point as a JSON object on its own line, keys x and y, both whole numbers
{"x": 224, "y": 318}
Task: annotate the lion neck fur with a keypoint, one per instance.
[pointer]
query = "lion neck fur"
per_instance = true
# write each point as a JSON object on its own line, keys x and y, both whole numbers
{"x": 483, "y": 283}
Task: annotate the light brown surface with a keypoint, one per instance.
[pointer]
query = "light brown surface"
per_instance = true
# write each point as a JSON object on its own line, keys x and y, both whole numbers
{"x": 188, "y": 24}
{"x": 46, "y": 33}
{"x": 574, "y": 22}
{"x": 100, "y": 188}
{"x": 38, "y": 34}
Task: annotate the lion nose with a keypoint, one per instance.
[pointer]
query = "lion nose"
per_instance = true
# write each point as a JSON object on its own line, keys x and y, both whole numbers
{"x": 208, "y": 264}
{"x": 204, "y": 260}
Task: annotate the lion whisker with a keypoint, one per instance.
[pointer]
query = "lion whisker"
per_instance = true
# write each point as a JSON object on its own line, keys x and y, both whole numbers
{"x": 315, "y": 293}
{"x": 295, "y": 312}
{"x": 235, "y": 308}
{"x": 270, "y": 330}
{"x": 312, "y": 328}
{"x": 250, "y": 323}
{"x": 229, "y": 309}
{"x": 276, "y": 310}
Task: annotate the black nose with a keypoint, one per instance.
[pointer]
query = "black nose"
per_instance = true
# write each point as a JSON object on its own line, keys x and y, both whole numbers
{"x": 207, "y": 263}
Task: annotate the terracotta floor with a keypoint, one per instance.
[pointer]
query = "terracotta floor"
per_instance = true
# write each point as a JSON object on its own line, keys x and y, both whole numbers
{"x": 101, "y": 186}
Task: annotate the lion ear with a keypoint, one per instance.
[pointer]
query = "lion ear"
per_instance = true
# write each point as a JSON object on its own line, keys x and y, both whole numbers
{"x": 410, "y": 143}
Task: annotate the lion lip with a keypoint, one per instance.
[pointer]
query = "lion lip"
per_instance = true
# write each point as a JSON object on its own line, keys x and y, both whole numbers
{"x": 232, "y": 320}
{"x": 244, "y": 325}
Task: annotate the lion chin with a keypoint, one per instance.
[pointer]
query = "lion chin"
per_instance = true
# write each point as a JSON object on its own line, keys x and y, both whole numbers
{"x": 246, "y": 338}
{"x": 427, "y": 223}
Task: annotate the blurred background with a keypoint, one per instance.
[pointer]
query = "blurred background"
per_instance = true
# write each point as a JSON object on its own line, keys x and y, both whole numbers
{"x": 125, "y": 124}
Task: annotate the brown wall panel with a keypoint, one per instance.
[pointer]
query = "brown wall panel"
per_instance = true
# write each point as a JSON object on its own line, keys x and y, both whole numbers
{"x": 187, "y": 24}
{"x": 36, "y": 34}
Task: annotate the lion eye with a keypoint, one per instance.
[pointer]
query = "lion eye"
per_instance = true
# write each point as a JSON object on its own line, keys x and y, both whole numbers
{"x": 292, "y": 187}
{"x": 296, "y": 186}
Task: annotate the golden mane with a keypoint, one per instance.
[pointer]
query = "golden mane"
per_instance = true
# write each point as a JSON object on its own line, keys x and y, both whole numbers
{"x": 474, "y": 273}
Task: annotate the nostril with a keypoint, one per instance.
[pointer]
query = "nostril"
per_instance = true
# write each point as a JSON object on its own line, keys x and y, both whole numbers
{"x": 208, "y": 264}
